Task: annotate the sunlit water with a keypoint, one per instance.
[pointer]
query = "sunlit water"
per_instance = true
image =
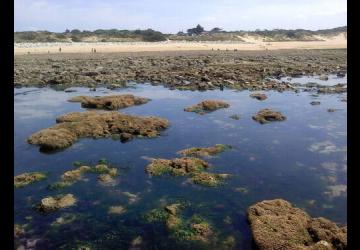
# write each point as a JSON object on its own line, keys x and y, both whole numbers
{"x": 297, "y": 160}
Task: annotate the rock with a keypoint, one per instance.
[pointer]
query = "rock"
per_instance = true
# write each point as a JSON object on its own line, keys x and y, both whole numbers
{"x": 331, "y": 110}
{"x": 324, "y": 78}
{"x": 259, "y": 96}
{"x": 315, "y": 103}
{"x": 124, "y": 137}
{"x": 208, "y": 179}
{"x": 276, "y": 224}
{"x": 50, "y": 204}
{"x": 196, "y": 152}
{"x": 268, "y": 115}
{"x": 28, "y": 178}
{"x": 76, "y": 125}
{"x": 112, "y": 102}
{"x": 173, "y": 208}
{"x": 177, "y": 166}
{"x": 207, "y": 106}
{"x": 340, "y": 74}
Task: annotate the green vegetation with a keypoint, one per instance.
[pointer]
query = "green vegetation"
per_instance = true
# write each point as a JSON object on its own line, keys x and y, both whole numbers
{"x": 193, "y": 34}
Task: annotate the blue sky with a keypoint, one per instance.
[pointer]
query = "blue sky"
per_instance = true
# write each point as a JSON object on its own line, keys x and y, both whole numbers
{"x": 175, "y": 15}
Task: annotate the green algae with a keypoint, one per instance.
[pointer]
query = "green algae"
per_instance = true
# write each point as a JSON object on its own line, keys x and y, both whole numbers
{"x": 25, "y": 179}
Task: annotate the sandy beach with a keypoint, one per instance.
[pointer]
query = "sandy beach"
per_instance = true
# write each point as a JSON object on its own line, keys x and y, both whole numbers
{"x": 250, "y": 43}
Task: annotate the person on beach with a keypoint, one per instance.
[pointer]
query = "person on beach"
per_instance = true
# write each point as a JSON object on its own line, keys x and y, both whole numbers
{"x": 60, "y": 49}
{"x": 94, "y": 50}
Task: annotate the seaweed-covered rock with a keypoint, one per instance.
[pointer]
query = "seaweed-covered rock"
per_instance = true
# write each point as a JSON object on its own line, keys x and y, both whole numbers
{"x": 72, "y": 176}
{"x": 196, "y": 152}
{"x": 207, "y": 106}
{"x": 28, "y": 178}
{"x": 76, "y": 125}
{"x": 259, "y": 96}
{"x": 177, "y": 166}
{"x": 276, "y": 224}
{"x": 112, "y": 102}
{"x": 268, "y": 115}
{"x": 208, "y": 179}
{"x": 50, "y": 204}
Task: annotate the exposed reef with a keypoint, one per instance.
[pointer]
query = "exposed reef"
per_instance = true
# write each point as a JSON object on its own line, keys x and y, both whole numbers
{"x": 268, "y": 115}
{"x": 207, "y": 106}
{"x": 198, "y": 152}
{"x": 112, "y": 102}
{"x": 50, "y": 204}
{"x": 28, "y": 178}
{"x": 277, "y": 224}
{"x": 93, "y": 124}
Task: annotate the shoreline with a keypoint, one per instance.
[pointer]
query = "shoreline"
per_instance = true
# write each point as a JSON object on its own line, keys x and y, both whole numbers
{"x": 250, "y": 44}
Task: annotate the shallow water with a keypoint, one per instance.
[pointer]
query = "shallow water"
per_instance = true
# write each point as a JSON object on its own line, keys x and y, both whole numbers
{"x": 300, "y": 160}
{"x": 332, "y": 80}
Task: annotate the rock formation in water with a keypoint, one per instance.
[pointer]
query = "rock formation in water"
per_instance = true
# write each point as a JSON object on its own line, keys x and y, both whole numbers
{"x": 28, "y": 178}
{"x": 93, "y": 124}
{"x": 277, "y": 224}
{"x": 268, "y": 115}
{"x": 207, "y": 106}
{"x": 198, "y": 152}
{"x": 259, "y": 96}
{"x": 112, "y": 102}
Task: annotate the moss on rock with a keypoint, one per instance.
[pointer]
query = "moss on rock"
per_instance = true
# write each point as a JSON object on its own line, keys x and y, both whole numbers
{"x": 28, "y": 178}
{"x": 112, "y": 102}
{"x": 93, "y": 124}
{"x": 207, "y": 106}
{"x": 268, "y": 115}
{"x": 197, "y": 152}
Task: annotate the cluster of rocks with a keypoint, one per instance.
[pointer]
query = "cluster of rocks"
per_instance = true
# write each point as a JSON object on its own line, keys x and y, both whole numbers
{"x": 189, "y": 70}
{"x": 277, "y": 224}
{"x": 53, "y": 203}
{"x": 106, "y": 175}
{"x": 112, "y": 102}
{"x": 189, "y": 166}
{"x": 76, "y": 125}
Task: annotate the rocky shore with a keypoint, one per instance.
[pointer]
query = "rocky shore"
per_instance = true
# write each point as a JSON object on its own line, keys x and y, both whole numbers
{"x": 195, "y": 70}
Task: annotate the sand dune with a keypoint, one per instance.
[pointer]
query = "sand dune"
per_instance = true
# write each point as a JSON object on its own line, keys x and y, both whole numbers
{"x": 251, "y": 43}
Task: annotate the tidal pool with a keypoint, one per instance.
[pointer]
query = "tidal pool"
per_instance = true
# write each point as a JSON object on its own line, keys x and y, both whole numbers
{"x": 302, "y": 159}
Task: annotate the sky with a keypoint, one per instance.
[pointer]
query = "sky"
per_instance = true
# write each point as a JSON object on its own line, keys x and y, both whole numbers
{"x": 171, "y": 16}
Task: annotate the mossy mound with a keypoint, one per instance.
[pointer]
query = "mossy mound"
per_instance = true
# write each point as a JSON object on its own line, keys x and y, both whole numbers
{"x": 177, "y": 166}
{"x": 268, "y": 115}
{"x": 50, "y": 204}
{"x": 112, "y": 102}
{"x": 93, "y": 124}
{"x": 259, "y": 96}
{"x": 197, "y": 152}
{"x": 72, "y": 176}
{"x": 207, "y": 106}
{"x": 28, "y": 178}
{"x": 208, "y": 179}
{"x": 276, "y": 224}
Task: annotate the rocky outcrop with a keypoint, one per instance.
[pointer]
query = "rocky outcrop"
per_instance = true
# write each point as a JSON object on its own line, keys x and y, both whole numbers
{"x": 112, "y": 102}
{"x": 259, "y": 96}
{"x": 50, "y": 204}
{"x": 177, "y": 166}
{"x": 268, "y": 115}
{"x": 93, "y": 124}
{"x": 197, "y": 152}
{"x": 277, "y": 224}
{"x": 28, "y": 178}
{"x": 207, "y": 106}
